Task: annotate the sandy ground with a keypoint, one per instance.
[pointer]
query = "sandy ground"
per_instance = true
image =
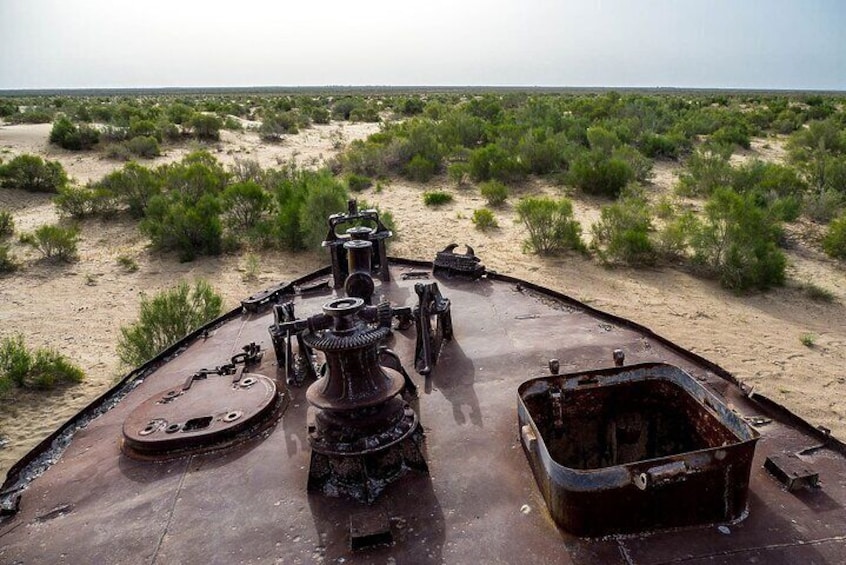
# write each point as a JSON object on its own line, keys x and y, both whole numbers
{"x": 78, "y": 309}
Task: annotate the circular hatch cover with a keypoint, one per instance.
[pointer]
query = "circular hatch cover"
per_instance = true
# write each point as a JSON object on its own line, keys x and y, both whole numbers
{"x": 207, "y": 412}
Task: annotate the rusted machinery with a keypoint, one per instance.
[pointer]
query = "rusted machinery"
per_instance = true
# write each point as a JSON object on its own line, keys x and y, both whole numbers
{"x": 417, "y": 412}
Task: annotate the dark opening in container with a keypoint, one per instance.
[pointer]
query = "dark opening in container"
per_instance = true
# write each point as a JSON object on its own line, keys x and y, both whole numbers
{"x": 634, "y": 448}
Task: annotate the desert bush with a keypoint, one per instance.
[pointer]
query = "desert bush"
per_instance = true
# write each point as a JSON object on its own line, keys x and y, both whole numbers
{"x": 144, "y": 146}
{"x": 31, "y": 173}
{"x": 244, "y": 170}
{"x": 595, "y": 173}
{"x": 127, "y": 263}
{"x": 54, "y": 242}
{"x": 357, "y": 183}
{"x": 707, "y": 169}
{"x": 492, "y": 162}
{"x": 640, "y": 165}
{"x": 834, "y": 242}
{"x": 7, "y": 224}
{"x": 184, "y": 225}
{"x": 206, "y": 126}
{"x": 494, "y": 192}
{"x": 436, "y": 198}
{"x": 484, "y": 219}
{"x": 420, "y": 168}
{"x": 738, "y": 242}
{"x": 320, "y": 115}
{"x": 732, "y": 135}
{"x": 663, "y": 146}
{"x": 276, "y": 125}
{"x": 823, "y": 206}
{"x": 8, "y": 262}
{"x": 673, "y": 238}
{"x": 68, "y": 135}
{"x": 74, "y": 202}
{"x": 166, "y": 318}
{"x": 39, "y": 369}
{"x": 132, "y": 186}
{"x": 622, "y": 233}
{"x": 412, "y": 106}
{"x": 244, "y": 203}
{"x": 550, "y": 224}
{"x": 459, "y": 173}
{"x": 197, "y": 175}
{"x": 324, "y": 196}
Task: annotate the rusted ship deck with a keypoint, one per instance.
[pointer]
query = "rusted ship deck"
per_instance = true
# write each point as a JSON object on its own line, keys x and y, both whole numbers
{"x": 479, "y": 501}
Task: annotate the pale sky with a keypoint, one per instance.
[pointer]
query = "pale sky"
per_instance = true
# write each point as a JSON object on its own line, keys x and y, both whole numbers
{"x": 783, "y": 44}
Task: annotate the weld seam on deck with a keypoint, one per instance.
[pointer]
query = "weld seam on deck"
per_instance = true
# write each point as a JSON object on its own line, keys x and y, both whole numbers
{"x": 770, "y": 547}
{"x": 172, "y": 509}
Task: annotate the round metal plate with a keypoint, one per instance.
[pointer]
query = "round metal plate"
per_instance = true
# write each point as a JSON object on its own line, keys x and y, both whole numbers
{"x": 211, "y": 413}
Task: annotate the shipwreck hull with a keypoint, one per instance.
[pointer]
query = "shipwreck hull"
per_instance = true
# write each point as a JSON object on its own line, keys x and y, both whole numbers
{"x": 78, "y": 498}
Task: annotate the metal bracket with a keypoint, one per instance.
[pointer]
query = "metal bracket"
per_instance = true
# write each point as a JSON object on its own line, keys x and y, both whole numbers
{"x": 431, "y": 304}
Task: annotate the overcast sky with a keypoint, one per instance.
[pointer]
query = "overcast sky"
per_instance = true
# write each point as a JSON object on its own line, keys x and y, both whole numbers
{"x": 788, "y": 44}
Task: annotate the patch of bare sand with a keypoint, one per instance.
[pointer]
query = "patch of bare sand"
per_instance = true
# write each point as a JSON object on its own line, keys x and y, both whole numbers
{"x": 79, "y": 309}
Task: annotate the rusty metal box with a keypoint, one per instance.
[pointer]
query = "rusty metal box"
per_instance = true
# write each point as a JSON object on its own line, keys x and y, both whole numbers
{"x": 634, "y": 448}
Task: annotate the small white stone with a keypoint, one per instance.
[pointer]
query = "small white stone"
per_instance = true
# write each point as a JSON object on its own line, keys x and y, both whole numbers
{"x": 724, "y": 530}
{"x": 525, "y": 509}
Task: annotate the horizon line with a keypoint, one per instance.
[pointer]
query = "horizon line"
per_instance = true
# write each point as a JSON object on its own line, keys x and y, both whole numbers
{"x": 404, "y": 88}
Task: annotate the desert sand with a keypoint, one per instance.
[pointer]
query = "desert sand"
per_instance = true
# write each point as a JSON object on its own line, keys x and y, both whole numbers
{"x": 79, "y": 308}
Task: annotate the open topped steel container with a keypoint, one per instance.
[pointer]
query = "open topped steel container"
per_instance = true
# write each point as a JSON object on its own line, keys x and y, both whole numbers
{"x": 634, "y": 448}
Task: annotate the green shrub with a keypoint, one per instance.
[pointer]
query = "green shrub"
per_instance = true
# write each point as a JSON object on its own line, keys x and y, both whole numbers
{"x": 707, "y": 169}
{"x": 8, "y": 262}
{"x": 661, "y": 146}
{"x": 74, "y": 201}
{"x": 188, "y": 227}
{"x": 622, "y": 233}
{"x": 823, "y": 206}
{"x": 197, "y": 175}
{"x": 133, "y": 186}
{"x": 320, "y": 115}
{"x": 674, "y": 237}
{"x": 834, "y": 242}
{"x": 420, "y": 169}
{"x": 40, "y": 369}
{"x": 494, "y": 162}
{"x": 68, "y": 135}
{"x": 127, "y": 263}
{"x": 738, "y": 242}
{"x": 595, "y": 173}
{"x": 324, "y": 196}
{"x": 494, "y": 192}
{"x": 206, "y": 126}
{"x": 31, "y": 173}
{"x": 275, "y": 126}
{"x": 550, "y": 224}
{"x": 244, "y": 203}
{"x": 7, "y": 224}
{"x": 459, "y": 173}
{"x": 144, "y": 146}
{"x": 357, "y": 183}
{"x": 484, "y": 219}
{"x": 165, "y": 319}
{"x": 54, "y": 242}
{"x": 732, "y": 135}
{"x": 436, "y": 198}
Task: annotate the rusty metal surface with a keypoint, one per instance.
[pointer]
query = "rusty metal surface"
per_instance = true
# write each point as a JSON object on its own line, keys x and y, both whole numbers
{"x": 480, "y": 502}
{"x": 634, "y": 448}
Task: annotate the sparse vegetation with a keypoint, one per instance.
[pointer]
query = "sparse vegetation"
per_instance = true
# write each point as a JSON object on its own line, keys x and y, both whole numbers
{"x": 166, "y": 318}
{"x": 71, "y": 136}
{"x": 738, "y": 242}
{"x": 127, "y": 263}
{"x": 40, "y": 369}
{"x": 8, "y": 262}
{"x": 622, "y": 233}
{"x": 808, "y": 339}
{"x": 54, "y": 242}
{"x": 32, "y": 173}
{"x": 834, "y": 242}
{"x": 550, "y": 224}
{"x": 7, "y": 224}
{"x": 436, "y": 198}
{"x": 494, "y": 192}
{"x": 484, "y": 219}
